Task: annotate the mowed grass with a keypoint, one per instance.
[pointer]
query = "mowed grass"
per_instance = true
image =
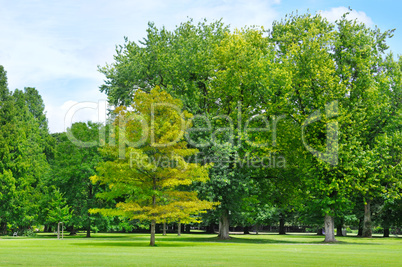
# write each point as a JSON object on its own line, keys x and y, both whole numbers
{"x": 199, "y": 250}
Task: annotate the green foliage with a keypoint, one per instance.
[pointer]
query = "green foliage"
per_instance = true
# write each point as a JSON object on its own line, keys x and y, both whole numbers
{"x": 149, "y": 178}
{"x": 72, "y": 165}
{"x": 336, "y": 94}
{"x": 178, "y": 61}
{"x": 378, "y": 230}
{"x": 58, "y": 210}
{"x": 23, "y": 161}
{"x": 131, "y": 249}
{"x": 325, "y": 96}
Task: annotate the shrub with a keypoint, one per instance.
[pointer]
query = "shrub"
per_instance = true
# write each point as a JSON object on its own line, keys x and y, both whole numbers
{"x": 378, "y": 230}
{"x": 30, "y": 232}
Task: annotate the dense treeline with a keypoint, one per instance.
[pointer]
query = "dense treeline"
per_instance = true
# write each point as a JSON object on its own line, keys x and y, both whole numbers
{"x": 301, "y": 122}
{"x": 329, "y": 94}
{"x": 26, "y": 147}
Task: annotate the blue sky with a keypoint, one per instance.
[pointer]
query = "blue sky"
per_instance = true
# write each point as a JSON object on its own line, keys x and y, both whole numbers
{"x": 56, "y": 46}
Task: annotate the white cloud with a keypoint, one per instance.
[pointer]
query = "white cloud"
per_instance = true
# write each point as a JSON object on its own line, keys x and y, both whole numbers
{"x": 336, "y": 13}
{"x": 63, "y": 116}
{"x": 56, "y": 46}
{"x": 236, "y": 13}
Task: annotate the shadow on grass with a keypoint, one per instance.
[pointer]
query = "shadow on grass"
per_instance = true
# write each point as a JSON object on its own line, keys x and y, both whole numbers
{"x": 83, "y": 236}
{"x": 175, "y": 241}
{"x": 183, "y": 241}
{"x": 134, "y": 244}
{"x": 172, "y": 240}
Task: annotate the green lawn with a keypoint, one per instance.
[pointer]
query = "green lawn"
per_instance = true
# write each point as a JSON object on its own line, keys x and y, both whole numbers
{"x": 199, "y": 250}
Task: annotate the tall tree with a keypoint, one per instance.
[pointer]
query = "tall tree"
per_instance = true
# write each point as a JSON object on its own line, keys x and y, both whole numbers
{"x": 75, "y": 157}
{"x": 22, "y": 157}
{"x": 302, "y": 45}
{"x": 179, "y": 61}
{"x": 372, "y": 80}
{"x": 339, "y": 69}
{"x": 314, "y": 76}
{"x": 148, "y": 173}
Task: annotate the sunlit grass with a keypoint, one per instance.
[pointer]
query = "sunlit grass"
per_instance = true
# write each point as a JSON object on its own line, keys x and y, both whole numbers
{"x": 199, "y": 250}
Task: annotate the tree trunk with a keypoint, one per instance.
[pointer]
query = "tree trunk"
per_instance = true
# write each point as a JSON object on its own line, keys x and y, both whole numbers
{"x": 386, "y": 232}
{"x": 360, "y": 231}
{"x": 179, "y": 228}
{"x": 282, "y": 226}
{"x": 256, "y": 229}
{"x": 3, "y": 228}
{"x": 367, "y": 232}
{"x": 72, "y": 230}
{"x": 339, "y": 230}
{"x": 224, "y": 226}
{"x": 48, "y": 229}
{"x": 152, "y": 243}
{"x": 319, "y": 231}
{"x": 329, "y": 229}
{"x": 246, "y": 230}
{"x": 89, "y": 225}
{"x": 153, "y": 222}
{"x": 90, "y": 196}
{"x": 164, "y": 228}
{"x": 210, "y": 229}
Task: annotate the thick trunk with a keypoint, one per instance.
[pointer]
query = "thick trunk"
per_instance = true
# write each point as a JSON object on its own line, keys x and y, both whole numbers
{"x": 58, "y": 231}
{"x": 246, "y": 230}
{"x": 386, "y": 232}
{"x": 152, "y": 243}
{"x": 179, "y": 229}
{"x": 164, "y": 228}
{"x": 256, "y": 229}
{"x": 282, "y": 226}
{"x": 367, "y": 232}
{"x": 339, "y": 230}
{"x": 224, "y": 226}
{"x": 329, "y": 229}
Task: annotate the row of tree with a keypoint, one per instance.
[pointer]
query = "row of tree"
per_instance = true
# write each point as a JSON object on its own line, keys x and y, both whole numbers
{"x": 324, "y": 96}
{"x": 301, "y": 123}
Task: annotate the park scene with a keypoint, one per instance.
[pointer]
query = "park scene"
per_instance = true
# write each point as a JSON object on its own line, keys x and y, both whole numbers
{"x": 254, "y": 145}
